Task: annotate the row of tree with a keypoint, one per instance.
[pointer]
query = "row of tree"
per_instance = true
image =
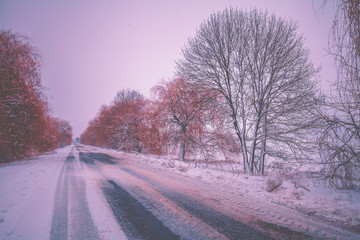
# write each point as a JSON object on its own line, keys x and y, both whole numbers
{"x": 246, "y": 85}
{"x": 178, "y": 118}
{"x": 26, "y": 126}
{"x": 245, "y": 80}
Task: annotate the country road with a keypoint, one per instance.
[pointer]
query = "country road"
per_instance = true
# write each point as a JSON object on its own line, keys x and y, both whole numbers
{"x": 71, "y": 194}
{"x": 90, "y": 193}
{"x": 151, "y": 205}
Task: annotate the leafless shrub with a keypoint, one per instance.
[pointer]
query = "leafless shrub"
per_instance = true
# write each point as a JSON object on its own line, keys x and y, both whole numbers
{"x": 183, "y": 169}
{"x": 298, "y": 194}
{"x": 272, "y": 183}
{"x": 171, "y": 164}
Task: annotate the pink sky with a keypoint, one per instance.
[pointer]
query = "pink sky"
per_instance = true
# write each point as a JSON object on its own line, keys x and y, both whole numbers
{"x": 92, "y": 49}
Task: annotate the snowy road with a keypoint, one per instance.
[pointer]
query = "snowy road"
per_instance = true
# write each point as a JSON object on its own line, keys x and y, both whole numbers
{"x": 71, "y": 215}
{"x": 82, "y": 192}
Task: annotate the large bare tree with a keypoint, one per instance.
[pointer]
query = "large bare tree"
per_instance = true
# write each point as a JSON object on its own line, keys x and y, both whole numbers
{"x": 259, "y": 65}
{"x": 340, "y": 141}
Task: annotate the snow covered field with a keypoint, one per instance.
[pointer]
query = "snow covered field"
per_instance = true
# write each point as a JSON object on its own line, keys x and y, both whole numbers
{"x": 83, "y": 192}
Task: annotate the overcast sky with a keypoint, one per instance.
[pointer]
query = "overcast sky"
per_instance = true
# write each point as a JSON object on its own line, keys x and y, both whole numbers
{"x": 93, "y": 49}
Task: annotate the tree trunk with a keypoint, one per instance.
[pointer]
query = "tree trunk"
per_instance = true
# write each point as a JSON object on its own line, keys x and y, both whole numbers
{"x": 241, "y": 137}
{"x": 263, "y": 144}
{"x": 253, "y": 145}
{"x": 182, "y": 145}
{"x": 262, "y": 157}
{"x": 182, "y": 150}
{"x": 245, "y": 157}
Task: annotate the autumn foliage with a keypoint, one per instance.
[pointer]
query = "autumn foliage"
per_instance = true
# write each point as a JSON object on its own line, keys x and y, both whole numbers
{"x": 65, "y": 132}
{"x": 188, "y": 115}
{"x": 120, "y": 125}
{"x": 26, "y": 127}
{"x": 178, "y": 119}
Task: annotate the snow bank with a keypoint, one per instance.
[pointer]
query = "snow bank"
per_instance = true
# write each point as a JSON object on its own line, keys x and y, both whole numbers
{"x": 27, "y": 190}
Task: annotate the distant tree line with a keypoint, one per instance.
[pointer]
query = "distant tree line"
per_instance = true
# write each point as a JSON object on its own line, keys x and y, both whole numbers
{"x": 246, "y": 84}
{"x": 26, "y": 126}
{"x": 178, "y": 118}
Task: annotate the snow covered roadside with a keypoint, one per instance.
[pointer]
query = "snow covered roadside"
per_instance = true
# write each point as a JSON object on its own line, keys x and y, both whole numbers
{"x": 27, "y": 190}
{"x": 298, "y": 190}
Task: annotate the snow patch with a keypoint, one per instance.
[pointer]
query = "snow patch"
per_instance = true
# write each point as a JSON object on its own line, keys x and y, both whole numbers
{"x": 27, "y": 190}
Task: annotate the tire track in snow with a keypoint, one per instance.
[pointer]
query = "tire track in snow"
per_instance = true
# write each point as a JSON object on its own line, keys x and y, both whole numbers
{"x": 228, "y": 226}
{"x": 71, "y": 216}
{"x": 297, "y": 229}
{"x": 172, "y": 216}
{"x": 59, "y": 224}
{"x": 136, "y": 215}
{"x": 267, "y": 219}
{"x": 136, "y": 221}
{"x": 125, "y": 206}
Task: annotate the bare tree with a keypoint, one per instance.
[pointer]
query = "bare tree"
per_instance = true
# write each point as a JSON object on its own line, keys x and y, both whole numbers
{"x": 184, "y": 110}
{"x": 126, "y": 96}
{"x": 340, "y": 141}
{"x": 259, "y": 65}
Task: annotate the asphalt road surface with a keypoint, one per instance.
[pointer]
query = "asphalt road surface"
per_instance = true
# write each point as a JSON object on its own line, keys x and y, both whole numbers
{"x": 149, "y": 204}
{"x": 71, "y": 203}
